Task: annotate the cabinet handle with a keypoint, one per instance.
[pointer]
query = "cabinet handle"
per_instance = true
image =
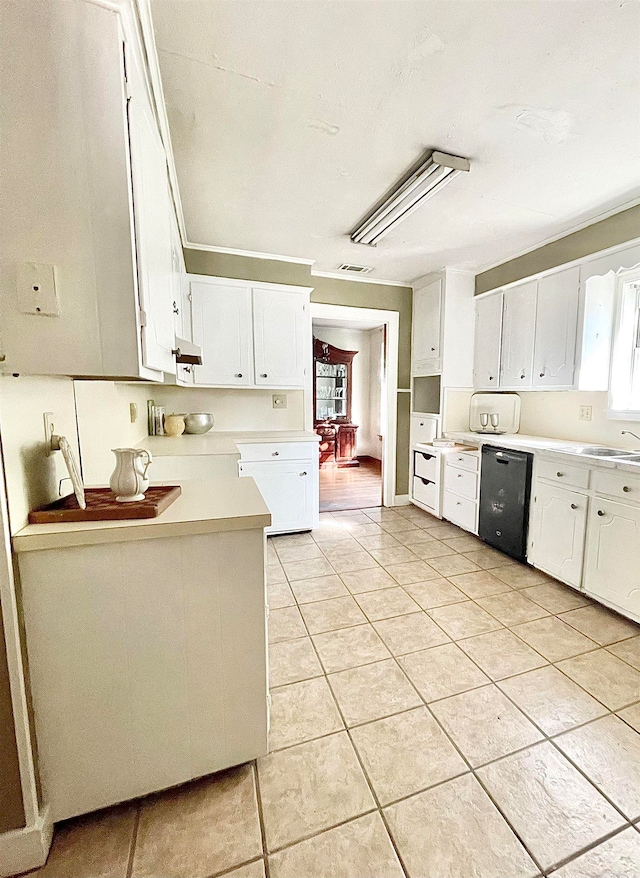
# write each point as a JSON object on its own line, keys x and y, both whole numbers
{"x": 626, "y": 488}
{"x": 302, "y": 474}
{"x": 176, "y": 310}
{"x": 459, "y": 476}
{"x": 522, "y": 375}
{"x": 433, "y": 349}
{"x": 542, "y": 374}
{"x": 458, "y": 503}
{"x": 238, "y": 374}
{"x": 574, "y": 505}
{"x": 601, "y": 512}
{"x": 263, "y": 375}
{"x": 560, "y": 475}
{"x": 275, "y": 453}
{"x": 490, "y": 377}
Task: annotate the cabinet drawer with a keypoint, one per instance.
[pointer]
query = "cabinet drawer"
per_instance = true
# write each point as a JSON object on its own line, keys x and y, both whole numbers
{"x": 464, "y": 460}
{"x": 461, "y": 481}
{"x": 427, "y": 367}
{"x": 424, "y": 491}
{"x": 278, "y": 451}
{"x": 626, "y": 486}
{"x": 426, "y": 464}
{"x": 563, "y": 473}
{"x": 423, "y": 428}
{"x": 459, "y": 511}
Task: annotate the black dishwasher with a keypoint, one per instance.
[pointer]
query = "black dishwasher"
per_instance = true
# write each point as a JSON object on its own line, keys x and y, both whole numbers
{"x": 505, "y": 489}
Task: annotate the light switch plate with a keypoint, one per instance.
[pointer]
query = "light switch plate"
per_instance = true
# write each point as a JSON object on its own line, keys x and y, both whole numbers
{"x": 585, "y": 412}
{"x": 37, "y": 289}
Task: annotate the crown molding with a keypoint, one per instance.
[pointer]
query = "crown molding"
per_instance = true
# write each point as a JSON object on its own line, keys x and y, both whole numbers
{"x": 250, "y": 254}
{"x": 338, "y": 275}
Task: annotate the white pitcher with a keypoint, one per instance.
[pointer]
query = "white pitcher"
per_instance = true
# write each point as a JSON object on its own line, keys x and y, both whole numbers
{"x": 129, "y": 480}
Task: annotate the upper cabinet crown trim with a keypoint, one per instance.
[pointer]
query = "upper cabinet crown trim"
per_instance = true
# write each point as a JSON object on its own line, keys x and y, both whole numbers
{"x": 214, "y": 280}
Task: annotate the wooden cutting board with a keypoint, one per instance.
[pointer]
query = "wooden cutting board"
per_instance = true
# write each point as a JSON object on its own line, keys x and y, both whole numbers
{"x": 103, "y": 506}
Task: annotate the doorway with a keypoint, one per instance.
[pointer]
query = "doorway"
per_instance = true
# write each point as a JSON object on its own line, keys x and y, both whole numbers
{"x": 354, "y": 405}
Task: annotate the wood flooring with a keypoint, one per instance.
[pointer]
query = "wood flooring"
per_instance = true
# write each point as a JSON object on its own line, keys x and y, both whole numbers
{"x": 357, "y": 487}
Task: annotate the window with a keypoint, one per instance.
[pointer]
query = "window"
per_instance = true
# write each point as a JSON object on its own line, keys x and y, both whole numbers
{"x": 624, "y": 392}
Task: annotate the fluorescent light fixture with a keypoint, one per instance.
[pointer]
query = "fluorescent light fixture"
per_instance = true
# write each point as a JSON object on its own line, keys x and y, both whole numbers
{"x": 438, "y": 170}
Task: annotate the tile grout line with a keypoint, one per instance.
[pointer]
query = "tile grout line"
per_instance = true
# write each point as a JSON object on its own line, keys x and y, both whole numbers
{"x": 263, "y": 834}
{"x": 134, "y": 839}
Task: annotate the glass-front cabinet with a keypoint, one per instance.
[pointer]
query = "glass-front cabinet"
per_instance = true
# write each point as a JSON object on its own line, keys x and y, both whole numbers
{"x": 332, "y": 387}
{"x": 332, "y": 400}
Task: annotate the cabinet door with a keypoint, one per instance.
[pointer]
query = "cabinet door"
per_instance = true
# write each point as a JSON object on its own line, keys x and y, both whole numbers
{"x": 221, "y": 318}
{"x": 518, "y": 328}
{"x": 556, "y": 329}
{"x": 427, "y": 310}
{"x": 152, "y": 211}
{"x": 279, "y": 342}
{"x": 488, "y": 335}
{"x": 290, "y": 491}
{"x": 612, "y": 564}
{"x": 559, "y": 524}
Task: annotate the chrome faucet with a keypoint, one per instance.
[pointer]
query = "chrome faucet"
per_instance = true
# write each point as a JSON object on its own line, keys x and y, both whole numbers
{"x": 629, "y": 433}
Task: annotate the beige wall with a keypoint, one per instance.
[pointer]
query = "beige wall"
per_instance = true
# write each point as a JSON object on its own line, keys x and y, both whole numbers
{"x": 555, "y": 414}
{"x": 331, "y": 291}
{"x": 616, "y": 229}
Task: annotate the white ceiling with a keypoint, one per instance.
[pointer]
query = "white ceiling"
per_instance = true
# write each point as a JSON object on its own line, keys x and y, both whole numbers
{"x": 291, "y": 118}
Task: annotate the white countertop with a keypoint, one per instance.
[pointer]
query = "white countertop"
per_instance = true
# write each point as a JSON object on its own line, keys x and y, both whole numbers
{"x": 522, "y": 442}
{"x": 226, "y": 504}
{"x": 219, "y": 442}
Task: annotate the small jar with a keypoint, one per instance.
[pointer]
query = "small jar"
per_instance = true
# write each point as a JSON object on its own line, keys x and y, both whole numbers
{"x": 174, "y": 425}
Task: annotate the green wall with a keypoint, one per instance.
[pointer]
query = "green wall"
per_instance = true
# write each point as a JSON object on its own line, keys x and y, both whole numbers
{"x": 609, "y": 232}
{"x": 330, "y": 291}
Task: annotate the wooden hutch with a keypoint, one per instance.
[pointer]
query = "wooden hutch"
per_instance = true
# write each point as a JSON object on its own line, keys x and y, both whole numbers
{"x": 332, "y": 404}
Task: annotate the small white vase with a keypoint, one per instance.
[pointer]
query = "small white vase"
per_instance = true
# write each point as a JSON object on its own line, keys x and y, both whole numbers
{"x": 129, "y": 480}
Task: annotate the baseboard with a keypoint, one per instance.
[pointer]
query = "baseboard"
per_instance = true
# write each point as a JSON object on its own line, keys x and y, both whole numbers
{"x": 402, "y": 500}
{"x": 22, "y": 850}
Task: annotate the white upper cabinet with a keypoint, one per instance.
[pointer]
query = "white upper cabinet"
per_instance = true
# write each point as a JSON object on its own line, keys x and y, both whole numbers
{"x": 222, "y": 328}
{"x": 488, "y": 335}
{"x": 251, "y": 335}
{"x": 518, "y": 328}
{"x": 427, "y": 316}
{"x": 279, "y": 346}
{"x": 154, "y": 246}
{"x": 89, "y": 198}
{"x": 556, "y": 329}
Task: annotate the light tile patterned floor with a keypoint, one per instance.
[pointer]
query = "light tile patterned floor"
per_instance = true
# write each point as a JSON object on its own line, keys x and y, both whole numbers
{"x": 438, "y": 711}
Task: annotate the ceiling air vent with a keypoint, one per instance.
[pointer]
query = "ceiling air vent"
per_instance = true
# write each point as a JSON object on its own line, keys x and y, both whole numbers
{"x": 355, "y": 269}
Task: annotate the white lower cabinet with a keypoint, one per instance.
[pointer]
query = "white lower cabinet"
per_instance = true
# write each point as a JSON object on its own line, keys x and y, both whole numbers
{"x": 612, "y": 563}
{"x": 559, "y": 524}
{"x": 147, "y": 663}
{"x": 290, "y": 487}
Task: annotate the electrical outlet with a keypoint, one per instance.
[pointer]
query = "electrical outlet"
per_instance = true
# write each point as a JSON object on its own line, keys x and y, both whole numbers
{"x": 279, "y": 400}
{"x": 49, "y": 431}
{"x": 585, "y": 413}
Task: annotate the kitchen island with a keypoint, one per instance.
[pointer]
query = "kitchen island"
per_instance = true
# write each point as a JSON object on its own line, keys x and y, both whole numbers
{"x": 146, "y": 642}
